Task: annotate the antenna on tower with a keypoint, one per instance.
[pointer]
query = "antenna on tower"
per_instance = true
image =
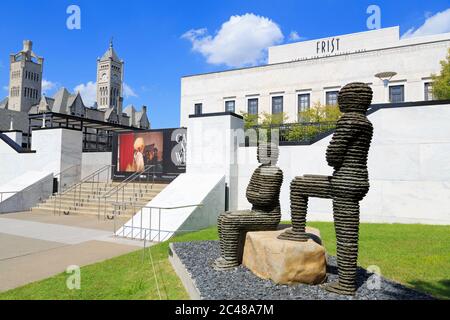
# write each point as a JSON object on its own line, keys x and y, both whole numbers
{"x": 111, "y": 42}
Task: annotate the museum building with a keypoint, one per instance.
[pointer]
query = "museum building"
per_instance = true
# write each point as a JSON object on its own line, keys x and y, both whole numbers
{"x": 301, "y": 74}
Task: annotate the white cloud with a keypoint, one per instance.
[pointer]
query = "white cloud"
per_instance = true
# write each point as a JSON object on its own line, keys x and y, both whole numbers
{"x": 434, "y": 24}
{"x": 88, "y": 92}
{"x": 241, "y": 41}
{"x": 48, "y": 86}
{"x": 128, "y": 91}
{"x": 294, "y": 36}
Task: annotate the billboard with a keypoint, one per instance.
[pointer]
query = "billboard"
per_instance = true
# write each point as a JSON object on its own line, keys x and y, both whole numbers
{"x": 157, "y": 154}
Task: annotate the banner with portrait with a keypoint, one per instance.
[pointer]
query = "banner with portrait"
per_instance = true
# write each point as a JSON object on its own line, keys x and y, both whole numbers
{"x": 156, "y": 154}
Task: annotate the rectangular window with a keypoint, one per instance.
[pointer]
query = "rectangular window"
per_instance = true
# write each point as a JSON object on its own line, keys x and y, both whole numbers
{"x": 277, "y": 105}
{"x": 230, "y": 106}
{"x": 331, "y": 98}
{"x": 304, "y": 103}
{"x": 198, "y": 108}
{"x": 429, "y": 91}
{"x": 252, "y": 106}
{"x": 397, "y": 94}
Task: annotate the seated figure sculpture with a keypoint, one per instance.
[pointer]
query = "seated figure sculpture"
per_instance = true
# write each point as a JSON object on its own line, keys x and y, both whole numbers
{"x": 347, "y": 153}
{"x": 263, "y": 192}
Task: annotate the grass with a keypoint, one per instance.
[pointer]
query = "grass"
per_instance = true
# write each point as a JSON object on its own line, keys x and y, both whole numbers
{"x": 415, "y": 255}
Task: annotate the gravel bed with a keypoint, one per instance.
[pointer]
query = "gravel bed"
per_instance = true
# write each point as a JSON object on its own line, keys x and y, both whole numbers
{"x": 242, "y": 284}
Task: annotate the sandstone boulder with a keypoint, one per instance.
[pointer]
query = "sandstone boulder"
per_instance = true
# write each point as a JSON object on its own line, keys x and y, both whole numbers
{"x": 284, "y": 261}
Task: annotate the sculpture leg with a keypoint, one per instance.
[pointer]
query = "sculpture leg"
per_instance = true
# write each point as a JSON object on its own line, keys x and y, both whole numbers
{"x": 299, "y": 209}
{"x": 229, "y": 233}
{"x": 301, "y": 189}
{"x": 346, "y": 221}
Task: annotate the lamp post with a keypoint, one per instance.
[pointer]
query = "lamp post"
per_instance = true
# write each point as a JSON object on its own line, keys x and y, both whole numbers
{"x": 386, "y": 78}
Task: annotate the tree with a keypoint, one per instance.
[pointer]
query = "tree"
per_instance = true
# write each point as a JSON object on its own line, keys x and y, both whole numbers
{"x": 320, "y": 113}
{"x": 441, "y": 83}
{"x": 250, "y": 120}
{"x": 269, "y": 119}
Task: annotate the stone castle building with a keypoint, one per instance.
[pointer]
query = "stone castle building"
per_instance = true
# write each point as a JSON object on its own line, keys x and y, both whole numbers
{"x": 26, "y": 98}
{"x": 25, "y": 79}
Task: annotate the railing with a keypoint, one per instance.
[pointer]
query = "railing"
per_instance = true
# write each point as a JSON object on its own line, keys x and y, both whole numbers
{"x": 93, "y": 178}
{"x": 290, "y": 133}
{"x": 119, "y": 191}
{"x": 144, "y": 232}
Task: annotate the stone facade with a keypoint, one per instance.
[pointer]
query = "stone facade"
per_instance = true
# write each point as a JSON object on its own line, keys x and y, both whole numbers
{"x": 25, "y": 78}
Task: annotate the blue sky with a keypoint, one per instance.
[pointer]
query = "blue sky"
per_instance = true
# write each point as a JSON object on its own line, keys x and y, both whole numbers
{"x": 148, "y": 35}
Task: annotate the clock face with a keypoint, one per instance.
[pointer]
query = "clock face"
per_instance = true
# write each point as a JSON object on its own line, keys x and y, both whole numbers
{"x": 115, "y": 77}
{"x": 104, "y": 77}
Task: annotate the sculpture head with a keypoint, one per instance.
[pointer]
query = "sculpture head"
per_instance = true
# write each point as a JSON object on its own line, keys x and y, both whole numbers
{"x": 355, "y": 97}
{"x": 267, "y": 153}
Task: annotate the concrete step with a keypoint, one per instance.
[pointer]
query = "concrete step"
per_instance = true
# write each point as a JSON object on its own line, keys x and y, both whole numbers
{"x": 137, "y": 205}
{"x": 89, "y": 197}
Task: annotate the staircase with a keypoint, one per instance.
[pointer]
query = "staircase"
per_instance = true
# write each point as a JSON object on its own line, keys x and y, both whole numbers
{"x": 88, "y": 199}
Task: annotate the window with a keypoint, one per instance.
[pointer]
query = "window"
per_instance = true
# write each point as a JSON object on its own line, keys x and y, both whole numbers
{"x": 397, "y": 94}
{"x": 229, "y": 106}
{"x": 198, "y": 108}
{"x": 304, "y": 102}
{"x": 277, "y": 105}
{"x": 331, "y": 98}
{"x": 252, "y": 106}
{"x": 429, "y": 91}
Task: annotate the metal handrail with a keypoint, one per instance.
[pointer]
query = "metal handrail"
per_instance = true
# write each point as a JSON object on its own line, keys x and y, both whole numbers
{"x": 93, "y": 176}
{"x": 121, "y": 187}
{"x": 141, "y": 228}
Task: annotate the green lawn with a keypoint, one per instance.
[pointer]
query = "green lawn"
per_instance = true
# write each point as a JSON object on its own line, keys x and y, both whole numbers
{"x": 416, "y": 255}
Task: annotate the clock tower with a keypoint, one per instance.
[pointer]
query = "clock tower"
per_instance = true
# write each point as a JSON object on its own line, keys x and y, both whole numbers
{"x": 110, "y": 81}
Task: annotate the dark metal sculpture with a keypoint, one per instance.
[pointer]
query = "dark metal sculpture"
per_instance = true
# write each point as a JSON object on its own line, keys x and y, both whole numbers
{"x": 263, "y": 192}
{"x": 347, "y": 154}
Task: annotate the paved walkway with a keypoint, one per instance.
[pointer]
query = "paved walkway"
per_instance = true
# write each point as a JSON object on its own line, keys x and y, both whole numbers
{"x": 35, "y": 246}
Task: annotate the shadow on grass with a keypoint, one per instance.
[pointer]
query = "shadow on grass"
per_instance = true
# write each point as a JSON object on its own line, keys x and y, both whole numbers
{"x": 440, "y": 289}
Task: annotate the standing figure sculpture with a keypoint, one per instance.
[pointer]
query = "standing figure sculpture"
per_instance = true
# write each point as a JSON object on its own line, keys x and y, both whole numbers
{"x": 347, "y": 154}
{"x": 263, "y": 192}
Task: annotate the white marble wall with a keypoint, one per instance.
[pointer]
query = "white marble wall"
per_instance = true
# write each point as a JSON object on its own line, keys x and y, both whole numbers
{"x": 56, "y": 150}
{"x": 93, "y": 161}
{"x": 409, "y": 168}
{"x": 16, "y": 136}
{"x": 32, "y": 187}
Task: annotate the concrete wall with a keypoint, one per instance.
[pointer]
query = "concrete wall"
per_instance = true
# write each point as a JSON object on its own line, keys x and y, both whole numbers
{"x": 409, "y": 168}
{"x": 93, "y": 161}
